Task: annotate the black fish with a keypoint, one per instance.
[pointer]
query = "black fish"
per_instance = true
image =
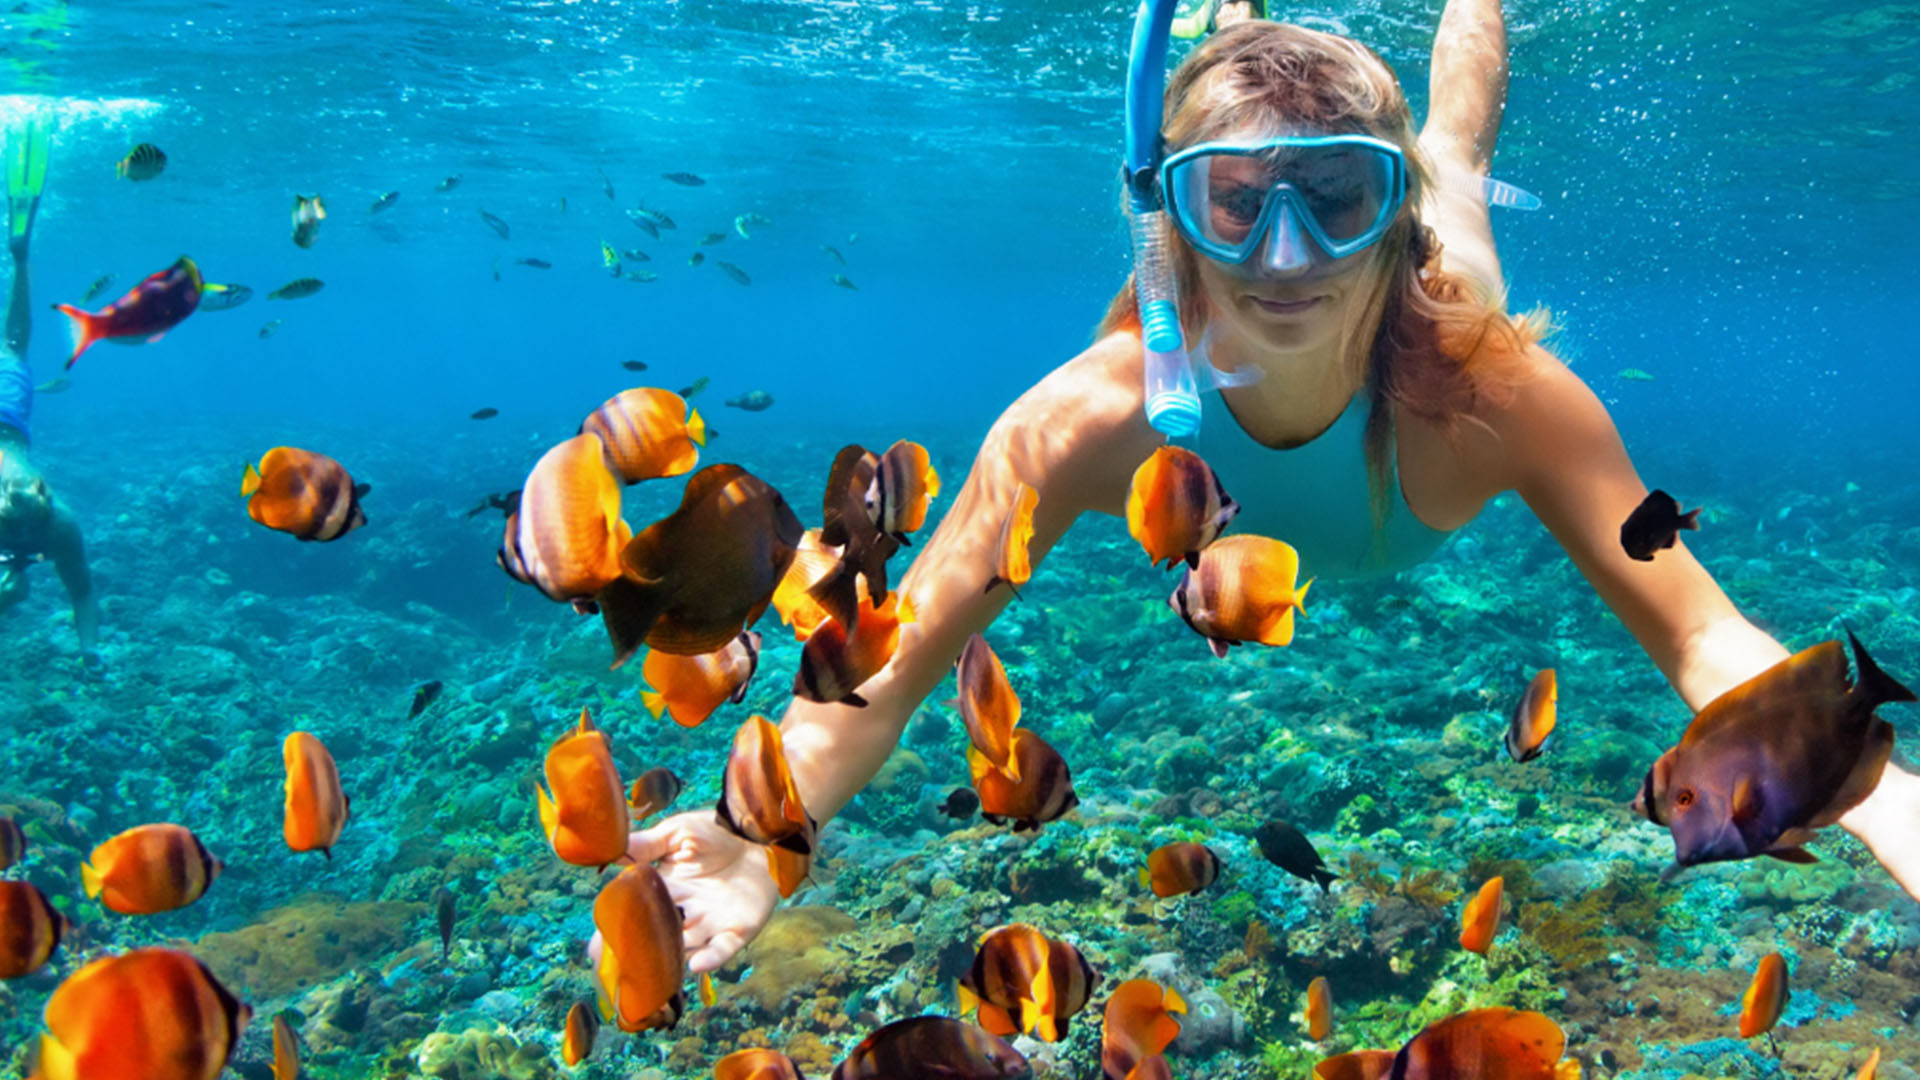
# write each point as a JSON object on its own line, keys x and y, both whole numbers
{"x": 1289, "y": 849}
{"x": 443, "y": 914}
{"x": 738, "y": 275}
{"x": 634, "y": 365}
{"x": 961, "y": 803}
{"x": 487, "y": 413}
{"x": 496, "y": 224}
{"x": 424, "y": 697}
{"x": 1655, "y": 524}
{"x": 537, "y": 264}
{"x": 644, "y": 223}
{"x": 504, "y": 501}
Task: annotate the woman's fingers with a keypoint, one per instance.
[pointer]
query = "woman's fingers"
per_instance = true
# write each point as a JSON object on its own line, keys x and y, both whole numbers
{"x": 716, "y": 952}
{"x": 651, "y": 845}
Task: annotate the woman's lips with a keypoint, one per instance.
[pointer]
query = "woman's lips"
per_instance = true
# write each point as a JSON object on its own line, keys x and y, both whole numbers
{"x": 1284, "y": 307}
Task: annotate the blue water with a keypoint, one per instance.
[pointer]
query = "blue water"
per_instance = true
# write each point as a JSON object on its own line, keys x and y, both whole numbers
{"x": 1731, "y": 204}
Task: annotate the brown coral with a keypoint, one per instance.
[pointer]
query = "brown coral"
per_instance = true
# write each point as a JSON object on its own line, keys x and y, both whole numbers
{"x": 315, "y": 938}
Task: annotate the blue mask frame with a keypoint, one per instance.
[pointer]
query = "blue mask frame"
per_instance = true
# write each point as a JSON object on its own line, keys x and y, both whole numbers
{"x": 1190, "y": 219}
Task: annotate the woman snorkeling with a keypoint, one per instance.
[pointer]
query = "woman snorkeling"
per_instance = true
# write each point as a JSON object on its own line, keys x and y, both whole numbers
{"x": 1214, "y": 15}
{"x": 1378, "y": 395}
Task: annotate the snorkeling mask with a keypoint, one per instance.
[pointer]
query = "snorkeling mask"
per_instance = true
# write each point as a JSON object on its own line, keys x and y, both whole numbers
{"x": 1342, "y": 190}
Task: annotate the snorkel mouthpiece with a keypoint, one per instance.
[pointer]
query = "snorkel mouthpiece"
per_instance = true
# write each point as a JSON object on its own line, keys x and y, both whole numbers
{"x": 1172, "y": 397}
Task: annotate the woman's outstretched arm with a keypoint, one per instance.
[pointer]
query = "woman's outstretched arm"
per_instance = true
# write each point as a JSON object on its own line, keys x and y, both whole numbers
{"x": 1467, "y": 98}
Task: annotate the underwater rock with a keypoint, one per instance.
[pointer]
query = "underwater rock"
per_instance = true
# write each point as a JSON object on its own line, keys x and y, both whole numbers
{"x": 794, "y": 959}
{"x": 480, "y": 1054}
{"x": 1211, "y": 1024}
{"x": 1111, "y": 710}
{"x": 316, "y": 938}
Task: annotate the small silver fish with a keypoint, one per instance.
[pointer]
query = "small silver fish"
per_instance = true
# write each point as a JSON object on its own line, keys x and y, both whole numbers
{"x": 696, "y": 258}
{"x": 606, "y": 185}
{"x": 215, "y": 297}
{"x": 270, "y": 329}
{"x": 635, "y": 255}
{"x": 835, "y": 252}
{"x": 684, "y": 179}
{"x": 644, "y": 223}
{"x": 496, "y": 225}
{"x": 56, "y": 385}
{"x": 297, "y": 288}
{"x": 308, "y": 213}
{"x": 383, "y": 202}
{"x": 712, "y": 238}
{"x": 642, "y": 276}
{"x": 448, "y": 184}
{"x": 841, "y": 280}
{"x": 738, "y": 275}
{"x": 537, "y": 264}
{"x": 99, "y": 286}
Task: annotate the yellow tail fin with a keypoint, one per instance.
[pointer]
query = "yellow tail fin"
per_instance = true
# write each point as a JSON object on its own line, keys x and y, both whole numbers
{"x": 249, "y": 480}
{"x": 1173, "y": 1002}
{"x": 968, "y": 1002}
{"x": 549, "y": 813}
{"x": 1146, "y": 878}
{"x": 655, "y": 702}
{"x": 696, "y": 427}
{"x": 56, "y": 1061}
{"x": 1300, "y": 595}
{"x": 91, "y": 880}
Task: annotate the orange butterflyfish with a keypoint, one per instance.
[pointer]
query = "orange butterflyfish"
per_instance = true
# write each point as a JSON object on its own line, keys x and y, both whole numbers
{"x": 690, "y": 688}
{"x": 1012, "y": 561}
{"x": 583, "y": 1026}
{"x": 1022, "y": 981}
{"x": 1180, "y": 868}
{"x": 1487, "y": 1044}
{"x": 13, "y": 843}
{"x": 307, "y": 495}
{"x": 1243, "y": 590}
{"x": 834, "y": 664}
{"x": 151, "y": 1014}
{"x": 1766, "y": 997}
{"x": 707, "y": 995}
{"x": 1871, "y": 1069}
{"x": 756, "y": 1065}
{"x": 789, "y": 868}
{"x": 648, "y": 433}
{"x": 643, "y": 959}
{"x": 903, "y": 484}
{"x": 1138, "y": 1025}
{"x": 316, "y": 808}
{"x": 988, "y": 706}
{"x": 1480, "y": 918}
{"x": 146, "y": 313}
{"x": 1534, "y": 717}
{"x": 566, "y": 537}
{"x": 149, "y": 869}
{"x": 585, "y": 818}
{"x": 30, "y": 929}
{"x": 1043, "y": 793}
{"x": 925, "y": 1046}
{"x": 696, "y": 579}
{"x": 758, "y": 800}
{"x": 654, "y": 791}
{"x": 813, "y": 563}
{"x": 1319, "y": 1009}
{"x": 286, "y": 1050}
{"x": 1177, "y": 506}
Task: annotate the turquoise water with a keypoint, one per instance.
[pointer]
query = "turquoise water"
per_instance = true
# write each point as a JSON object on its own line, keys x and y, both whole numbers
{"x": 1730, "y": 207}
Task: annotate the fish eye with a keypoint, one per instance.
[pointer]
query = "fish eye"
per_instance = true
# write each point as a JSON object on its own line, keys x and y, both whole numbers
{"x": 1684, "y": 799}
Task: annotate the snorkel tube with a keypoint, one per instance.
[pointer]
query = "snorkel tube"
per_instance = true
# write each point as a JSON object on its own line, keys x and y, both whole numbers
{"x": 1173, "y": 399}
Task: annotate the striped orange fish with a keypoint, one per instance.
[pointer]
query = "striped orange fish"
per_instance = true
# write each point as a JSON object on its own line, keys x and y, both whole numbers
{"x": 756, "y": 1065}
{"x": 152, "y": 1014}
{"x": 813, "y": 563}
{"x": 286, "y": 1050}
{"x": 835, "y": 664}
{"x": 585, "y": 819}
{"x": 149, "y": 869}
{"x": 306, "y": 495}
{"x": 705, "y": 985}
{"x": 1138, "y": 1025}
{"x": 1319, "y": 1009}
{"x": 690, "y": 688}
{"x": 316, "y": 808}
{"x": 904, "y": 483}
{"x": 30, "y": 929}
{"x": 653, "y": 792}
{"x": 1486, "y": 1044}
{"x": 1480, "y": 918}
{"x": 988, "y": 706}
{"x": 1766, "y": 997}
{"x": 1043, "y": 793}
{"x": 566, "y": 536}
{"x": 1180, "y": 868}
{"x": 1242, "y": 591}
{"x": 1022, "y": 981}
{"x": 1871, "y": 1069}
{"x": 1012, "y": 562}
{"x": 1534, "y": 717}
{"x": 643, "y": 959}
{"x": 13, "y": 843}
{"x": 648, "y": 433}
{"x": 583, "y": 1027}
{"x": 1177, "y": 506}
{"x": 758, "y": 800}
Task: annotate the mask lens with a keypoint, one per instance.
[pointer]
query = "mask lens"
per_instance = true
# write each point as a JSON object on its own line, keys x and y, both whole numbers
{"x": 1220, "y": 197}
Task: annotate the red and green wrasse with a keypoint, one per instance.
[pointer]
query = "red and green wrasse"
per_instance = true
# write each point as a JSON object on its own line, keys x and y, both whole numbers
{"x": 152, "y": 308}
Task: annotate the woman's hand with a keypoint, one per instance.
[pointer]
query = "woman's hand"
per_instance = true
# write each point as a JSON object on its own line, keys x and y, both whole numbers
{"x": 720, "y": 881}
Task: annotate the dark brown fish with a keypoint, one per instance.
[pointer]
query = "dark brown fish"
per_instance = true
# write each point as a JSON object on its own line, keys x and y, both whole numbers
{"x": 930, "y": 1047}
{"x": 961, "y": 803}
{"x": 428, "y": 693}
{"x": 697, "y": 578}
{"x": 1289, "y": 849}
{"x": 487, "y": 413}
{"x": 1768, "y": 762}
{"x": 443, "y": 917}
{"x": 1655, "y": 525}
{"x": 846, "y": 525}
{"x": 504, "y": 501}
{"x": 634, "y": 365}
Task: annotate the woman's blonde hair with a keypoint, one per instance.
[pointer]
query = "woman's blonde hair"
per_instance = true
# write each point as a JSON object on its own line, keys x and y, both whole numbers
{"x": 1425, "y": 340}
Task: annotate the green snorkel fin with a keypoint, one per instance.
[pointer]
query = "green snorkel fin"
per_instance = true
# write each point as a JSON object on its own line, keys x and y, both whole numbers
{"x": 27, "y": 151}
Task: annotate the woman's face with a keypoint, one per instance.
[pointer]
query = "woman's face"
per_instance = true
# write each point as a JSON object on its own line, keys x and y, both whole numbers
{"x": 1289, "y": 296}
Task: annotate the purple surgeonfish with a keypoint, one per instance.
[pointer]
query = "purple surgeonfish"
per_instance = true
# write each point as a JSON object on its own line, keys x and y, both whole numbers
{"x": 1771, "y": 760}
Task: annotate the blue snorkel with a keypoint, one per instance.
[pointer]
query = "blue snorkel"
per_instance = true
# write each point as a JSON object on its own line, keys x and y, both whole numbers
{"x": 1173, "y": 398}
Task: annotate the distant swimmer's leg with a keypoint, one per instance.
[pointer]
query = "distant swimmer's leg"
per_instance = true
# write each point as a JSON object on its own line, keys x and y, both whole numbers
{"x": 26, "y": 166}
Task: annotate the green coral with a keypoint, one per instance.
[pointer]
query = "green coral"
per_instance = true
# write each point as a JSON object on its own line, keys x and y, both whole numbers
{"x": 1581, "y": 932}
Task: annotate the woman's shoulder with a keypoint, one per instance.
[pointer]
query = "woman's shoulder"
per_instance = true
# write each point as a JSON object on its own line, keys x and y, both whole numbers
{"x": 1548, "y": 411}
